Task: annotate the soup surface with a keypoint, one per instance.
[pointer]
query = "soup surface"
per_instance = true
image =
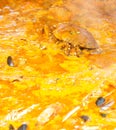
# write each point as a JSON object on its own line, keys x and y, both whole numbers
{"x": 58, "y": 64}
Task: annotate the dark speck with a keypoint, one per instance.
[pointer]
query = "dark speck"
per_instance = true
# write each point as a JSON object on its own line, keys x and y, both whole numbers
{"x": 10, "y": 61}
{"x": 16, "y": 80}
{"x": 103, "y": 115}
{"x": 11, "y": 127}
{"x": 23, "y": 127}
{"x": 100, "y": 101}
{"x": 85, "y": 118}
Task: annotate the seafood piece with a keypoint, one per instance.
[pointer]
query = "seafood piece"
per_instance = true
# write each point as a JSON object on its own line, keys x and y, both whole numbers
{"x": 74, "y": 38}
{"x": 50, "y": 112}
